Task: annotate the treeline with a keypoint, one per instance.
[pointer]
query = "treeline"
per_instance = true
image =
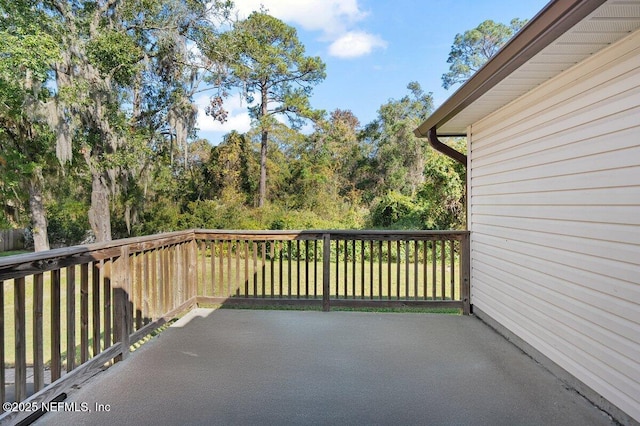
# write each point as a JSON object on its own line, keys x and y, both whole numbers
{"x": 98, "y": 136}
{"x": 342, "y": 175}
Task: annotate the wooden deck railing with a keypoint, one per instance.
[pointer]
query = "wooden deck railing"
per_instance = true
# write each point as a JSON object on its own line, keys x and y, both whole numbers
{"x": 66, "y": 312}
{"x": 378, "y": 268}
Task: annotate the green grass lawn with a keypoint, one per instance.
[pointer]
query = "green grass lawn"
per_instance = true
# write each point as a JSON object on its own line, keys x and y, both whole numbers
{"x": 13, "y": 252}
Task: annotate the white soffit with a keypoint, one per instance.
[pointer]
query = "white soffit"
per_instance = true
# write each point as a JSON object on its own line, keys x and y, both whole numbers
{"x": 609, "y": 23}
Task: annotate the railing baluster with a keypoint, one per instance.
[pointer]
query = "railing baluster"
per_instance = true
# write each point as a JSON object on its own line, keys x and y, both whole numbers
{"x": 106, "y": 297}
{"x": 298, "y": 269}
{"x": 55, "y": 325}
{"x": 238, "y": 270}
{"x": 221, "y": 285}
{"x": 337, "y": 245}
{"x": 380, "y": 270}
{"x": 84, "y": 310}
{"x": 280, "y": 269}
{"x": 255, "y": 269}
{"x": 434, "y": 265}
{"x": 215, "y": 289}
{"x": 164, "y": 271}
{"x": 202, "y": 249}
{"x": 326, "y": 274}
{"x": 452, "y": 267}
{"x": 443, "y": 279}
{"x": 95, "y": 311}
{"x": 315, "y": 269}
{"x": 306, "y": 268}
{"x": 168, "y": 278}
{"x": 146, "y": 304}
{"x": 137, "y": 259}
{"x": 20, "y": 338}
{"x": 38, "y": 342}
{"x": 353, "y": 261}
{"x": 3, "y": 392}
{"x": 229, "y": 278}
{"x": 407, "y": 260}
{"x": 272, "y": 252}
{"x": 289, "y": 267}
{"x": 425, "y": 279}
{"x": 71, "y": 318}
{"x": 389, "y": 276}
{"x": 121, "y": 317}
{"x": 416, "y": 261}
{"x": 398, "y": 257}
{"x": 246, "y": 268}
{"x": 361, "y": 269}
{"x": 371, "y": 258}
{"x": 264, "y": 268}
{"x": 164, "y": 254}
{"x": 173, "y": 282}
{"x": 181, "y": 274}
{"x": 346, "y": 272}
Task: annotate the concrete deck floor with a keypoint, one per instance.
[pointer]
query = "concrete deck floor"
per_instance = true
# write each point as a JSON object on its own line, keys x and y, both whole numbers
{"x": 289, "y": 367}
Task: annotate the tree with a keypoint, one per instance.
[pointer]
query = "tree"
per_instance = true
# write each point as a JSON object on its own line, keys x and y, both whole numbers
{"x": 123, "y": 74}
{"x": 270, "y": 65}
{"x": 335, "y": 149}
{"x": 399, "y": 154}
{"x": 475, "y": 47}
{"x": 230, "y": 167}
{"x": 27, "y": 150}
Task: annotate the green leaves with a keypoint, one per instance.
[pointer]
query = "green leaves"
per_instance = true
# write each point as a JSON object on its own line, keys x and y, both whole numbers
{"x": 269, "y": 64}
{"x": 115, "y": 54}
{"x": 475, "y": 47}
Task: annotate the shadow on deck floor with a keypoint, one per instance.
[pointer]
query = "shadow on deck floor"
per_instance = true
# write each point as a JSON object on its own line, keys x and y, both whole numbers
{"x": 290, "y": 367}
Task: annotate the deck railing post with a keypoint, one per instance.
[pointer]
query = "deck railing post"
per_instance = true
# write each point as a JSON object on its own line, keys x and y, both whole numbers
{"x": 193, "y": 269}
{"x": 465, "y": 273}
{"x": 192, "y": 283}
{"x": 326, "y": 272}
{"x": 121, "y": 317}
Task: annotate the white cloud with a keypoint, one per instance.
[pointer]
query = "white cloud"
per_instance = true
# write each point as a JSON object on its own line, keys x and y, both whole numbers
{"x": 238, "y": 118}
{"x": 335, "y": 19}
{"x": 355, "y": 43}
{"x": 329, "y": 16}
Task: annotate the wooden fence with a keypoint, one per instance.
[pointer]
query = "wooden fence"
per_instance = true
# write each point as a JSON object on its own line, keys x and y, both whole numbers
{"x": 11, "y": 239}
{"x": 66, "y": 312}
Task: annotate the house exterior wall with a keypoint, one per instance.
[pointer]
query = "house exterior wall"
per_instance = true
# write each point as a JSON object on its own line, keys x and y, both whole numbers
{"x": 554, "y": 213}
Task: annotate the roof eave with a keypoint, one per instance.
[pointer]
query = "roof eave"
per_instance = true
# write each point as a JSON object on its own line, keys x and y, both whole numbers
{"x": 555, "y": 19}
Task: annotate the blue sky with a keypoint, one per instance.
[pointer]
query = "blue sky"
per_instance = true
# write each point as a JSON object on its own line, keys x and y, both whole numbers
{"x": 372, "y": 48}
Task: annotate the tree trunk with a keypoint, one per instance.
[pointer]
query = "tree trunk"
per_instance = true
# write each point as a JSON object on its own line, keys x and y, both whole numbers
{"x": 263, "y": 146}
{"x": 38, "y": 216}
{"x": 263, "y": 169}
{"x": 99, "y": 213}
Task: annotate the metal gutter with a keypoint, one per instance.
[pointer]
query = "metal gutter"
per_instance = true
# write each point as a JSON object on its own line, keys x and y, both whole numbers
{"x": 551, "y": 22}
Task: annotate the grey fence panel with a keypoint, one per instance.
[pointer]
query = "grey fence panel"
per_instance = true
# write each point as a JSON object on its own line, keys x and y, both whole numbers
{"x": 11, "y": 239}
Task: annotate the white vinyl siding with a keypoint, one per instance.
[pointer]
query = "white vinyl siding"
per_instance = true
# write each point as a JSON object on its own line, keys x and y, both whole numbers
{"x": 555, "y": 220}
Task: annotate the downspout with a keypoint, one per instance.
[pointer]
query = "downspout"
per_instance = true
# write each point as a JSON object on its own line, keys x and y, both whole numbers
{"x": 432, "y": 137}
